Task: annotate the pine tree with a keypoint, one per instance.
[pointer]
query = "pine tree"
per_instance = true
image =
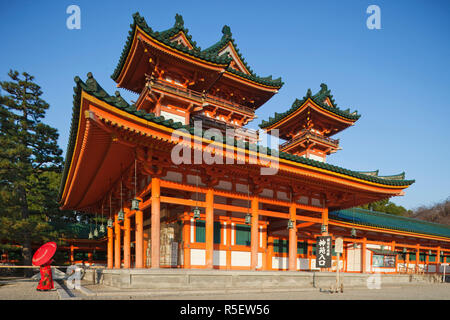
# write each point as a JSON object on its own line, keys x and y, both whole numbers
{"x": 30, "y": 164}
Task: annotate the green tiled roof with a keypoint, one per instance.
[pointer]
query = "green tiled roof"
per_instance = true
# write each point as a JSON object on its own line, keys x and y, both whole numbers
{"x": 223, "y": 42}
{"x": 92, "y": 87}
{"x": 177, "y": 27}
{"x": 319, "y": 99}
{"x": 399, "y": 176}
{"x": 390, "y": 221}
{"x": 164, "y": 37}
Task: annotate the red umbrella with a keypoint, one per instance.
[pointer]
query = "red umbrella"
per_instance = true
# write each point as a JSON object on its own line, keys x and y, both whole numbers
{"x": 44, "y": 254}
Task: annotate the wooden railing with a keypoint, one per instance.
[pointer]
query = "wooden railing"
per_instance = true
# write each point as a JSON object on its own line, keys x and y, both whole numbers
{"x": 223, "y": 126}
{"x": 201, "y": 98}
{"x": 308, "y": 133}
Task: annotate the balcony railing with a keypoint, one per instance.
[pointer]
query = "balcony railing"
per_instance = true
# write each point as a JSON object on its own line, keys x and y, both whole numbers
{"x": 309, "y": 134}
{"x": 223, "y": 126}
{"x": 200, "y": 98}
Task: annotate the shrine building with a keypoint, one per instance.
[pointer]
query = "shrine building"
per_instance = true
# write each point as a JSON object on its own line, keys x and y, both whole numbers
{"x": 226, "y": 215}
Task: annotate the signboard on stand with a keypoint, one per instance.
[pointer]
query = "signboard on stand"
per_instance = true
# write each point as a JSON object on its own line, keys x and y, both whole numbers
{"x": 323, "y": 255}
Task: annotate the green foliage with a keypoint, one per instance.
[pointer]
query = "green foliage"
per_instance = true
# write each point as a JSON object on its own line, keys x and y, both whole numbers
{"x": 30, "y": 164}
{"x": 386, "y": 206}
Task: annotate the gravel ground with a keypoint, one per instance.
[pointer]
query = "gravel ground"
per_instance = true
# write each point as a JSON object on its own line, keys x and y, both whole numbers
{"x": 438, "y": 291}
{"x": 23, "y": 289}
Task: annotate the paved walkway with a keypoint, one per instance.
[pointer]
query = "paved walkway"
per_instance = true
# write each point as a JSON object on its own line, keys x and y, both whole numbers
{"x": 23, "y": 289}
{"x": 437, "y": 291}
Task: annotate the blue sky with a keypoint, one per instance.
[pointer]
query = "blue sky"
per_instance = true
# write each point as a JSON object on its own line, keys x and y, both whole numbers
{"x": 398, "y": 78}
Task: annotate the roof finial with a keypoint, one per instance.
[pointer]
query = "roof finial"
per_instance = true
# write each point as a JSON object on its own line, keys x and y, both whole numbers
{"x": 226, "y": 31}
{"x": 179, "y": 22}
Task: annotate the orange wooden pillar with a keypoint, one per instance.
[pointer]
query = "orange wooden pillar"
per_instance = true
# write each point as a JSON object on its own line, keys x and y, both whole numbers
{"x": 117, "y": 243}
{"x": 363, "y": 255}
{"x": 228, "y": 244}
{"x": 254, "y": 234}
{"x": 110, "y": 253}
{"x": 71, "y": 252}
{"x": 407, "y": 261}
{"x": 187, "y": 240}
{"x": 264, "y": 245}
{"x": 269, "y": 252}
{"x": 417, "y": 257}
{"x": 325, "y": 220}
{"x": 126, "y": 239}
{"x": 139, "y": 238}
{"x": 293, "y": 238}
{"x": 438, "y": 260}
{"x": 209, "y": 226}
{"x": 155, "y": 220}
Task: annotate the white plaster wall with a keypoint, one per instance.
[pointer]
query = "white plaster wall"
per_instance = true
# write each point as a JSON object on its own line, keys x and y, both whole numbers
{"x": 279, "y": 263}
{"x": 260, "y": 258}
{"x": 281, "y": 195}
{"x": 267, "y": 193}
{"x": 313, "y": 265}
{"x": 174, "y": 117}
{"x": 198, "y": 257}
{"x": 220, "y": 258}
{"x": 240, "y": 259}
{"x": 173, "y": 176}
{"x": 302, "y": 264}
{"x": 241, "y": 188}
{"x": 224, "y": 185}
{"x": 368, "y": 258}
{"x": 353, "y": 259}
{"x": 303, "y": 200}
{"x": 317, "y": 158}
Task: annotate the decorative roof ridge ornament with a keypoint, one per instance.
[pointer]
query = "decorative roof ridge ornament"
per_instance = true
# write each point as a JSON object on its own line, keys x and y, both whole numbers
{"x": 179, "y": 22}
{"x": 226, "y": 31}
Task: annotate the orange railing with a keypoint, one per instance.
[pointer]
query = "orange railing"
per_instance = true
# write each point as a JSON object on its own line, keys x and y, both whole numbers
{"x": 199, "y": 97}
{"x": 308, "y": 133}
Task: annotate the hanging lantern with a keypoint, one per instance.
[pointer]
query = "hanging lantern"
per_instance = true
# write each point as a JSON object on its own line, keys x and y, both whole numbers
{"x": 102, "y": 228}
{"x": 382, "y": 247}
{"x": 429, "y": 252}
{"x": 95, "y": 232}
{"x": 323, "y": 228}
{"x": 290, "y": 224}
{"x": 355, "y": 246}
{"x": 353, "y": 233}
{"x": 110, "y": 223}
{"x": 90, "y": 235}
{"x": 135, "y": 204}
{"x": 404, "y": 250}
{"x": 248, "y": 218}
{"x": 120, "y": 215}
{"x": 196, "y": 213}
